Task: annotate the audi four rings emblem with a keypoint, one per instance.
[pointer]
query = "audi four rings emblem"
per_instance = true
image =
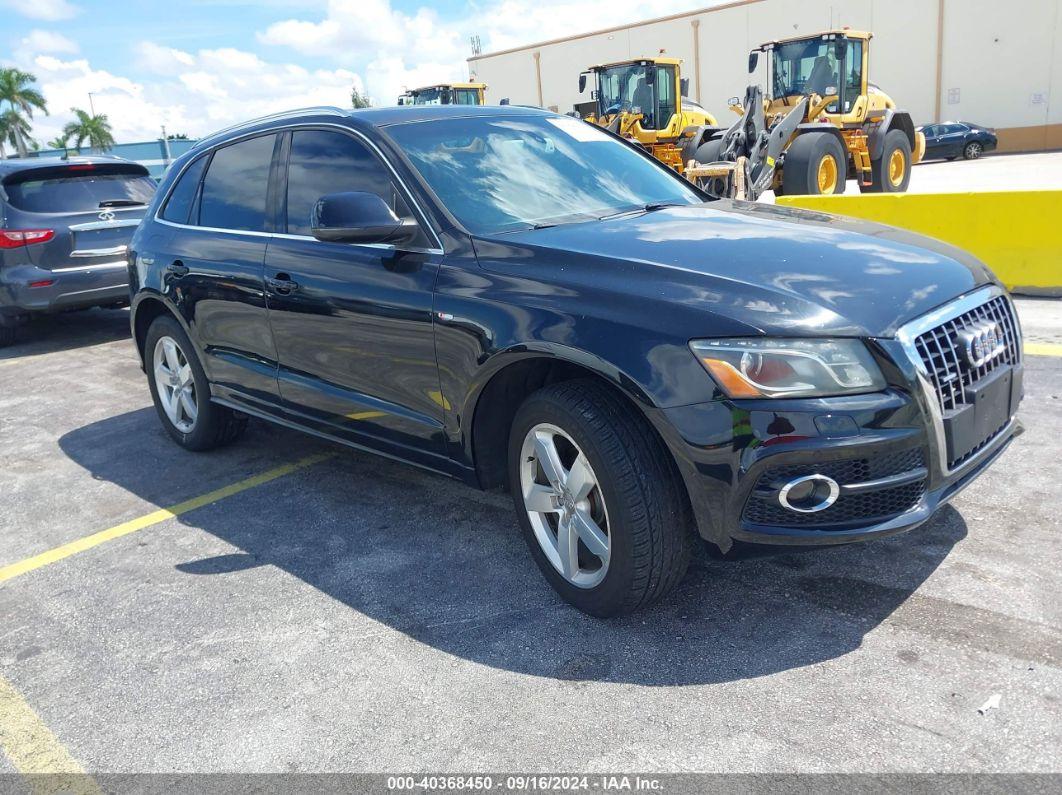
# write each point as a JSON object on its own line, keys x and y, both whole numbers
{"x": 982, "y": 342}
{"x": 106, "y": 215}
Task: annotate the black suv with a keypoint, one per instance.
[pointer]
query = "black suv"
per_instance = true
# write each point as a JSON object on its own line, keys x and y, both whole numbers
{"x": 519, "y": 299}
{"x": 65, "y": 227}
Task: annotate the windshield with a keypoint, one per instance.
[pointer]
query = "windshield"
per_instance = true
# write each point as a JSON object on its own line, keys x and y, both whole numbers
{"x": 431, "y": 96}
{"x": 500, "y": 173}
{"x": 804, "y": 68}
{"x": 632, "y": 86}
{"x": 466, "y": 96}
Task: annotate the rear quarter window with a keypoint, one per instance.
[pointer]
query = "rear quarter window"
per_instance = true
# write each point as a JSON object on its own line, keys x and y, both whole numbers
{"x": 78, "y": 188}
{"x": 179, "y": 205}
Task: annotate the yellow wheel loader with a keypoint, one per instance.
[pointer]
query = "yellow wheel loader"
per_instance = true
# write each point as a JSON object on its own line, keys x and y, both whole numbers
{"x": 445, "y": 94}
{"x": 821, "y": 123}
{"x": 643, "y": 101}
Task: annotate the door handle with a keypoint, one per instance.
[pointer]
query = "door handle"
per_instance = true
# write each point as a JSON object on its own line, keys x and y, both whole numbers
{"x": 282, "y": 284}
{"x": 177, "y": 268}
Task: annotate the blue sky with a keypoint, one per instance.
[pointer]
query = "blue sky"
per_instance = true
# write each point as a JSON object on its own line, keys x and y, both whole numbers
{"x": 197, "y": 65}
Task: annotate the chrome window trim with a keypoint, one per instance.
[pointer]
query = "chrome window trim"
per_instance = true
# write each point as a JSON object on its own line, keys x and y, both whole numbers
{"x": 406, "y": 192}
{"x": 909, "y": 333}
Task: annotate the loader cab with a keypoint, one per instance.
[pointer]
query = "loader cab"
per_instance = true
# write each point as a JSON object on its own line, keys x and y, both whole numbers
{"x": 831, "y": 65}
{"x": 445, "y": 94}
{"x": 651, "y": 87}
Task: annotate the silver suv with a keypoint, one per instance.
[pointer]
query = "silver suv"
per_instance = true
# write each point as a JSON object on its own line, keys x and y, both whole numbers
{"x": 65, "y": 226}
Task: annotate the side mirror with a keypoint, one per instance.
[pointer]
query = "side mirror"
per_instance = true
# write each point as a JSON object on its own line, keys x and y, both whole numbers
{"x": 650, "y": 76}
{"x": 840, "y": 47}
{"x": 358, "y": 217}
{"x": 504, "y": 101}
{"x": 754, "y": 58}
{"x": 582, "y": 82}
{"x": 446, "y": 96}
{"x": 684, "y": 86}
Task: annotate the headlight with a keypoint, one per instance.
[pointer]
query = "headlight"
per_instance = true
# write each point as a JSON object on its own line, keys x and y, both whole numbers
{"x": 759, "y": 367}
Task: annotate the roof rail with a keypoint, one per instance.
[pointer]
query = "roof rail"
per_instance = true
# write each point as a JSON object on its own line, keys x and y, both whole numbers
{"x": 330, "y": 109}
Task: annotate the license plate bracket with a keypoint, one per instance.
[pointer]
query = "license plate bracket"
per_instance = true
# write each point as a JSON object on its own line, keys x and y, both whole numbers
{"x": 990, "y": 403}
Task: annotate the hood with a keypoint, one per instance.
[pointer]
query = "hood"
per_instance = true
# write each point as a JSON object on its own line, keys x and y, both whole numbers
{"x": 771, "y": 269}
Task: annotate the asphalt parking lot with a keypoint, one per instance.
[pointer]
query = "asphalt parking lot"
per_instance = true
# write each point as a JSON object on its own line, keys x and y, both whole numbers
{"x": 333, "y": 611}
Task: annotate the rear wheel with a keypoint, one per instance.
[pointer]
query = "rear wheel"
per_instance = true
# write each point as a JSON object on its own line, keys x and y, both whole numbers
{"x": 181, "y": 393}
{"x": 815, "y": 164}
{"x": 973, "y": 150}
{"x": 598, "y": 502}
{"x": 891, "y": 173}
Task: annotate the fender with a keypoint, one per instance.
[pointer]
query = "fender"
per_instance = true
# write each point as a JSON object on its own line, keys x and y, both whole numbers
{"x": 536, "y": 349}
{"x": 821, "y": 127}
{"x": 155, "y": 296}
{"x": 891, "y": 120}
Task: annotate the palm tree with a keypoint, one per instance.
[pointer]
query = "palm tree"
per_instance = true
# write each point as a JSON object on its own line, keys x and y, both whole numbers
{"x": 59, "y": 142}
{"x": 15, "y": 130}
{"x": 94, "y": 129}
{"x": 16, "y": 89}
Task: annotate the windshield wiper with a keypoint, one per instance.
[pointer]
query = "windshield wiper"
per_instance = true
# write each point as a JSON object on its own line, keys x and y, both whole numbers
{"x": 121, "y": 203}
{"x": 645, "y": 208}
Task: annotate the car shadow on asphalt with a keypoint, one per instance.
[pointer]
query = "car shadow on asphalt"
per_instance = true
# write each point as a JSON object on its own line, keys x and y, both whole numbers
{"x": 68, "y": 330}
{"x": 447, "y": 566}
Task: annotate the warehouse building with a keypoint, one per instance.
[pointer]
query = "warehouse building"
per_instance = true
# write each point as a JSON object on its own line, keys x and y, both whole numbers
{"x": 988, "y": 62}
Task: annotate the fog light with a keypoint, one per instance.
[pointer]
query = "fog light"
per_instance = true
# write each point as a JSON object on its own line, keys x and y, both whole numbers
{"x": 809, "y": 494}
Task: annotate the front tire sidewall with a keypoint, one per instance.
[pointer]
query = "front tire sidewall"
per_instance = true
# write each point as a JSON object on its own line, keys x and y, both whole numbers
{"x": 972, "y": 151}
{"x": 802, "y": 161}
{"x": 609, "y": 596}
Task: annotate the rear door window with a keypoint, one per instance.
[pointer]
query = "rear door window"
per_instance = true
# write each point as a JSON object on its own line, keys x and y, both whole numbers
{"x": 78, "y": 188}
{"x": 236, "y": 184}
{"x": 323, "y": 162}
{"x": 182, "y": 197}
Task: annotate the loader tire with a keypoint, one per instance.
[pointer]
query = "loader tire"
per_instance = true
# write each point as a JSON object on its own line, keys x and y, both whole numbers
{"x": 891, "y": 173}
{"x": 815, "y": 164}
{"x": 709, "y": 153}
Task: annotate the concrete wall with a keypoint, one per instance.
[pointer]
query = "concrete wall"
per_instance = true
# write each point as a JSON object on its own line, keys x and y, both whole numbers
{"x": 1004, "y": 58}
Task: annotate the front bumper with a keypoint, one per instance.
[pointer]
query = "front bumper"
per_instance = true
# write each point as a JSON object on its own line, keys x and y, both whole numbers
{"x": 74, "y": 287}
{"x": 884, "y": 449}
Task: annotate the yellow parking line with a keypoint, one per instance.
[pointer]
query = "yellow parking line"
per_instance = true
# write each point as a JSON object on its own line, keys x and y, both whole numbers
{"x": 161, "y": 515}
{"x": 35, "y": 752}
{"x": 1043, "y": 349}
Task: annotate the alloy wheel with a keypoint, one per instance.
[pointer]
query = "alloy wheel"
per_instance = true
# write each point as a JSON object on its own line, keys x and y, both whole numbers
{"x": 175, "y": 384}
{"x": 565, "y": 506}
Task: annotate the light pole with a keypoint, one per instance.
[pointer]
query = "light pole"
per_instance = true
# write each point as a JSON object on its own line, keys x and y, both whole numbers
{"x": 92, "y": 108}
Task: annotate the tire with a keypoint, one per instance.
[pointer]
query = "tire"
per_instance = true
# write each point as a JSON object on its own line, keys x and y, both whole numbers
{"x": 896, "y": 145}
{"x": 212, "y": 425}
{"x": 973, "y": 150}
{"x": 709, "y": 152}
{"x": 806, "y": 171}
{"x": 635, "y": 502}
{"x": 8, "y": 334}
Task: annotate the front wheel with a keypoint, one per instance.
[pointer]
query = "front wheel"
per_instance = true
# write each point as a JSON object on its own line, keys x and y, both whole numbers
{"x": 973, "y": 150}
{"x": 599, "y": 504}
{"x": 181, "y": 393}
{"x": 815, "y": 164}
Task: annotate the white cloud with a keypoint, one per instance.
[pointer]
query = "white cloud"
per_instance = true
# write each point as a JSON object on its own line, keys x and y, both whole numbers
{"x": 401, "y": 49}
{"x": 48, "y": 10}
{"x": 192, "y": 93}
{"x": 46, "y": 41}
